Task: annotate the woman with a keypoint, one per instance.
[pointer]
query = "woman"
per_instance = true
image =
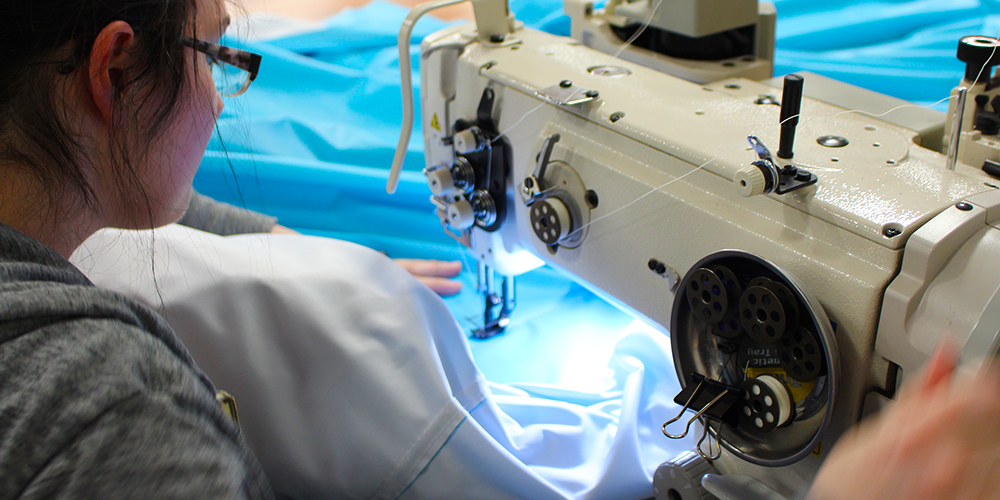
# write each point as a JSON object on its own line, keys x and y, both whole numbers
{"x": 106, "y": 110}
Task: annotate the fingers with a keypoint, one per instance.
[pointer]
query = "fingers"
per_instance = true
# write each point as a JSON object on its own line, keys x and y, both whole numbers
{"x": 431, "y": 268}
{"x": 971, "y": 408}
{"x": 435, "y": 274}
{"x": 279, "y": 229}
{"x": 941, "y": 365}
{"x": 936, "y": 375}
{"x": 938, "y": 441}
{"x": 441, "y": 286}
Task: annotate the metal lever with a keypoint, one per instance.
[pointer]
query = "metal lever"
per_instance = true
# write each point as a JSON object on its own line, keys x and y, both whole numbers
{"x": 533, "y": 185}
{"x": 956, "y": 129}
{"x": 763, "y": 154}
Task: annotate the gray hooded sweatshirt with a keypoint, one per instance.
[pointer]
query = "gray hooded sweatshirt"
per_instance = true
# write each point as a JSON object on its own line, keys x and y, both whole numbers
{"x": 99, "y": 399}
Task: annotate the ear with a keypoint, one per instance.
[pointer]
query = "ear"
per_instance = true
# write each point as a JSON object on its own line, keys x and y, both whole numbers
{"x": 109, "y": 57}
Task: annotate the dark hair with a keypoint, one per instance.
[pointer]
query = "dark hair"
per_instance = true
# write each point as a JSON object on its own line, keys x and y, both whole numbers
{"x": 44, "y": 42}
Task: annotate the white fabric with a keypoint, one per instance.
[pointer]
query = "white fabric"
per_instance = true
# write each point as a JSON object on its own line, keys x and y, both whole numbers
{"x": 354, "y": 380}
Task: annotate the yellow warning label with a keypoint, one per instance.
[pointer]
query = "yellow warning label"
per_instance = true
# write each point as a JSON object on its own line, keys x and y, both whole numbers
{"x": 434, "y": 123}
{"x": 799, "y": 389}
{"x": 819, "y": 449}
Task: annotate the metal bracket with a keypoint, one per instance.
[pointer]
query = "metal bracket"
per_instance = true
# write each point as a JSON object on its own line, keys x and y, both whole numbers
{"x": 565, "y": 93}
{"x": 784, "y": 179}
{"x": 791, "y": 178}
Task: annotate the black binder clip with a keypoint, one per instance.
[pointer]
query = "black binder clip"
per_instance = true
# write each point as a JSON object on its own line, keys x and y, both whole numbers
{"x": 712, "y": 399}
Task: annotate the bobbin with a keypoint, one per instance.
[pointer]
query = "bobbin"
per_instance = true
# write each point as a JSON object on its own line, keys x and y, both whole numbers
{"x": 765, "y": 404}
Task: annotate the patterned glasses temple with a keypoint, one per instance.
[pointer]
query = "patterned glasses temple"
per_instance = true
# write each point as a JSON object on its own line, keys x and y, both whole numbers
{"x": 242, "y": 59}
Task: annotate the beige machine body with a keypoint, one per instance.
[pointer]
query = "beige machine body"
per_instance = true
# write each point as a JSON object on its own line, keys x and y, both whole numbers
{"x": 627, "y": 179}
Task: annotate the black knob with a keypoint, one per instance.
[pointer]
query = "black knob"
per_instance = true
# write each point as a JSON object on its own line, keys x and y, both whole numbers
{"x": 980, "y": 54}
{"x": 791, "y": 102}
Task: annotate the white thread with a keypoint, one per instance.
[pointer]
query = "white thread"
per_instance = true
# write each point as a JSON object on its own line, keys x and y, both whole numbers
{"x": 633, "y": 202}
{"x": 536, "y": 108}
{"x": 879, "y": 115}
{"x": 639, "y": 31}
{"x": 874, "y": 115}
{"x": 985, "y": 65}
{"x": 518, "y": 122}
{"x": 929, "y": 106}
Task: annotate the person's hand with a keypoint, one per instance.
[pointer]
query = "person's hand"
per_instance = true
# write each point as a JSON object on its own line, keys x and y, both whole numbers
{"x": 436, "y": 274}
{"x": 939, "y": 440}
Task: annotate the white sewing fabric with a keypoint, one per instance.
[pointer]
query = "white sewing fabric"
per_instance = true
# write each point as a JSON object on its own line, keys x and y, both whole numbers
{"x": 354, "y": 380}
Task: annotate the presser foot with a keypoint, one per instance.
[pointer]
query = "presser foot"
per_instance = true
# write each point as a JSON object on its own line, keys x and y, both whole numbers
{"x": 494, "y": 322}
{"x": 498, "y": 304}
{"x": 492, "y": 329}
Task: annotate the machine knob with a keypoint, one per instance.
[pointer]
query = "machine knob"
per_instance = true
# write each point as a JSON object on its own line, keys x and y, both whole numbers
{"x": 484, "y": 207}
{"x": 441, "y": 181}
{"x": 750, "y": 181}
{"x": 470, "y": 140}
{"x": 980, "y": 54}
{"x": 680, "y": 478}
{"x": 461, "y": 215}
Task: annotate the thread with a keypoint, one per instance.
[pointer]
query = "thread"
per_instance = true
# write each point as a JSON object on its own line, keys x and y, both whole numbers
{"x": 638, "y": 32}
{"x": 489, "y": 161}
{"x": 985, "y": 65}
{"x": 518, "y": 122}
{"x": 903, "y": 106}
{"x": 651, "y": 191}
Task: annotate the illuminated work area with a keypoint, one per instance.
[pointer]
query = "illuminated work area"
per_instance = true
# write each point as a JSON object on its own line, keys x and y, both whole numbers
{"x": 700, "y": 241}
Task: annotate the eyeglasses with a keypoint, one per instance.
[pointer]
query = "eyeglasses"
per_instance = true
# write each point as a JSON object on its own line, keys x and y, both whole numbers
{"x": 232, "y": 69}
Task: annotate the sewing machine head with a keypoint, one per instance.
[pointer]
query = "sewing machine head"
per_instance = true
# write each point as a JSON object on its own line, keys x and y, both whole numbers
{"x": 797, "y": 286}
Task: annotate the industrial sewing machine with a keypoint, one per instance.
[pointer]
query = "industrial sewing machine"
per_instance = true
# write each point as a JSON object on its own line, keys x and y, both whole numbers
{"x": 799, "y": 286}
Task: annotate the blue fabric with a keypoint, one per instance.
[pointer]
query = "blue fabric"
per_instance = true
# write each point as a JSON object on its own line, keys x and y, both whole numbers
{"x": 312, "y": 141}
